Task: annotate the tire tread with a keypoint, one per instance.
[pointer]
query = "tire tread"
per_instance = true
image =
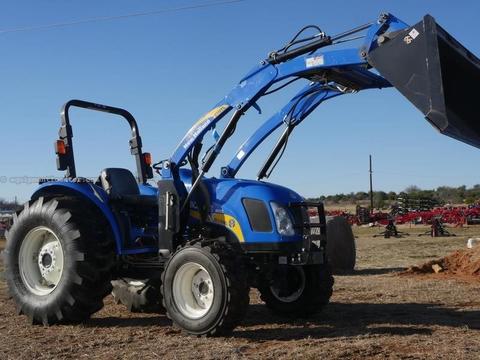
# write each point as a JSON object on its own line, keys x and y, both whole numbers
{"x": 91, "y": 277}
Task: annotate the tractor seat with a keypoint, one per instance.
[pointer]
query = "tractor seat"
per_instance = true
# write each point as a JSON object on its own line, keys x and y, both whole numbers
{"x": 121, "y": 186}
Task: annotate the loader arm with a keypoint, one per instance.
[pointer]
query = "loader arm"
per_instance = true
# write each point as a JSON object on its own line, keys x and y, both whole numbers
{"x": 292, "y": 115}
{"x": 345, "y": 67}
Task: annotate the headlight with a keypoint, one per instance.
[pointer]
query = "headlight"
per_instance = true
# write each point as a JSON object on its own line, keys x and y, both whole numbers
{"x": 283, "y": 220}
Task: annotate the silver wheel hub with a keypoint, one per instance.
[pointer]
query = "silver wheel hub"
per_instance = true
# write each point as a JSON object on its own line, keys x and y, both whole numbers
{"x": 41, "y": 261}
{"x": 202, "y": 288}
{"x": 193, "y": 290}
{"x": 47, "y": 259}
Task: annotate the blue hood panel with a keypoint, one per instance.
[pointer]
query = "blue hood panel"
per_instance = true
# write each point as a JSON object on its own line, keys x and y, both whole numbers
{"x": 226, "y": 197}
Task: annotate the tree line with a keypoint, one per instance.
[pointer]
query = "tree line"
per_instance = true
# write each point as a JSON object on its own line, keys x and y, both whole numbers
{"x": 442, "y": 195}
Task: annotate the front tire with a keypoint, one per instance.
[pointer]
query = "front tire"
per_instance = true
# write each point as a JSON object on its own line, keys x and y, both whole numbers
{"x": 295, "y": 290}
{"x": 205, "y": 290}
{"x": 58, "y": 261}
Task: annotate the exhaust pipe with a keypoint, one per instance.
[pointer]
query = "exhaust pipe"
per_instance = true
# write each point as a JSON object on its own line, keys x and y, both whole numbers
{"x": 436, "y": 74}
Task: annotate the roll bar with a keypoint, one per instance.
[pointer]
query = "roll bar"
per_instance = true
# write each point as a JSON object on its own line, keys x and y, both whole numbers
{"x": 66, "y": 161}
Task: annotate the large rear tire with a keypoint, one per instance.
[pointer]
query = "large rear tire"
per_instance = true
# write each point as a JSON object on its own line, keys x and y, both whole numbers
{"x": 205, "y": 289}
{"x": 59, "y": 258}
{"x": 341, "y": 249}
{"x": 295, "y": 290}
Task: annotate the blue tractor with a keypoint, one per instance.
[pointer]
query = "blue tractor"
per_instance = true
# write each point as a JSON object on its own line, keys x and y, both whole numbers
{"x": 195, "y": 245}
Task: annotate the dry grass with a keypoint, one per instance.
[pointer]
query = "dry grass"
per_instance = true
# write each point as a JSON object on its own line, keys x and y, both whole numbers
{"x": 374, "y": 314}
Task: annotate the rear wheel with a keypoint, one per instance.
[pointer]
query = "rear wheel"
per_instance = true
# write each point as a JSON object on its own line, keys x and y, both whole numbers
{"x": 58, "y": 261}
{"x": 205, "y": 290}
{"x": 297, "y": 290}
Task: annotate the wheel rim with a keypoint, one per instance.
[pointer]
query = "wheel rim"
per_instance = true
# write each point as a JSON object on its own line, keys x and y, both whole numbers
{"x": 193, "y": 290}
{"x": 295, "y": 278}
{"x": 41, "y": 261}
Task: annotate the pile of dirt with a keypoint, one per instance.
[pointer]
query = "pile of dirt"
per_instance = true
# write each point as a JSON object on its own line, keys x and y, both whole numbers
{"x": 461, "y": 262}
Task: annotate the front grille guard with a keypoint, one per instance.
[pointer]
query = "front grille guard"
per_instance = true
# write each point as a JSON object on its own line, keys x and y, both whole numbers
{"x": 315, "y": 233}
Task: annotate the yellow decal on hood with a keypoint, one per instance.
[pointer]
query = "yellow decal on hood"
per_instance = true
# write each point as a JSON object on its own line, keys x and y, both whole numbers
{"x": 223, "y": 219}
{"x": 231, "y": 223}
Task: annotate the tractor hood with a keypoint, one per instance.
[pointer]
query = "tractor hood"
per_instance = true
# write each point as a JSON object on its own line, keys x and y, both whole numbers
{"x": 436, "y": 74}
{"x": 230, "y": 192}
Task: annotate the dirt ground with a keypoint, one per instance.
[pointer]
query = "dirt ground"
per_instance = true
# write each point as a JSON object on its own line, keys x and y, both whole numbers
{"x": 374, "y": 313}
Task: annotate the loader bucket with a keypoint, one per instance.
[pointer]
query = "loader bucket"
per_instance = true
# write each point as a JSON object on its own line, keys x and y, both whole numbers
{"x": 436, "y": 74}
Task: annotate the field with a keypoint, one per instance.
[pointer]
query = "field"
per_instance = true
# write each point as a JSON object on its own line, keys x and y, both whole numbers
{"x": 374, "y": 313}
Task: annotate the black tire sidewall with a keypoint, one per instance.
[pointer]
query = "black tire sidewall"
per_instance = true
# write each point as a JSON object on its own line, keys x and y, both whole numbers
{"x": 286, "y": 306}
{"x": 341, "y": 248}
{"x": 204, "y": 258}
{"x": 316, "y": 293}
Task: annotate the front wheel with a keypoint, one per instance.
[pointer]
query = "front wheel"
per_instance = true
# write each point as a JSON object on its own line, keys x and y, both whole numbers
{"x": 295, "y": 290}
{"x": 205, "y": 290}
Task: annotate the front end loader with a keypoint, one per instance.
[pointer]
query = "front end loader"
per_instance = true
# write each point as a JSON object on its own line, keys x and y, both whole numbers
{"x": 194, "y": 245}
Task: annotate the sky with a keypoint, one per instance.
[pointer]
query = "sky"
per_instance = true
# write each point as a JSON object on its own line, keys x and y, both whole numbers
{"x": 170, "y": 68}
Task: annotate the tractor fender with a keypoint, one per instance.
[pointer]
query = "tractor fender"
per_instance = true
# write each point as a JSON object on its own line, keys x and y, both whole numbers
{"x": 88, "y": 192}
